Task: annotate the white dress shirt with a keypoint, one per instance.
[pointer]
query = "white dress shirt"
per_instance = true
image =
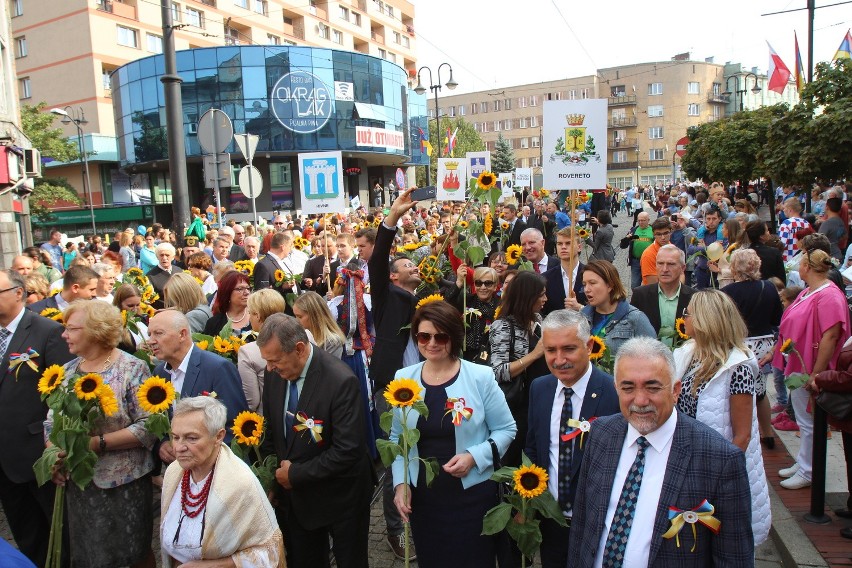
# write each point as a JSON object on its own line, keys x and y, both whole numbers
{"x": 556, "y": 428}
{"x": 179, "y": 374}
{"x": 542, "y": 264}
{"x": 565, "y": 279}
{"x": 656, "y": 459}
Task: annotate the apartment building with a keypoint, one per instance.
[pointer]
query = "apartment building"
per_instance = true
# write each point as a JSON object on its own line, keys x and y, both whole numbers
{"x": 66, "y": 51}
{"x": 650, "y": 107}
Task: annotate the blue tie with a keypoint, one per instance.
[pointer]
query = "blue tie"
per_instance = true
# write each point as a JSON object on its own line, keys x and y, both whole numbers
{"x": 565, "y": 449}
{"x": 292, "y": 404}
{"x": 5, "y": 335}
{"x": 622, "y": 520}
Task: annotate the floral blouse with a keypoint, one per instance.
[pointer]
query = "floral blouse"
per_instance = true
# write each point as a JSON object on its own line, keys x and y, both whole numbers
{"x": 118, "y": 467}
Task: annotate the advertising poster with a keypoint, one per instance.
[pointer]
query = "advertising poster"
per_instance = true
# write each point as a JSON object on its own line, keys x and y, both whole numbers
{"x": 574, "y": 144}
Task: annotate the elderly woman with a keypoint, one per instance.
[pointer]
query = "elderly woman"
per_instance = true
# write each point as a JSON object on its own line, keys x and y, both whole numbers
{"x": 231, "y": 305}
{"x": 183, "y": 293}
{"x": 718, "y": 375}
{"x": 214, "y": 511}
{"x": 446, "y": 518}
{"x": 200, "y": 265}
{"x": 481, "y": 303}
{"x": 106, "y": 281}
{"x": 817, "y": 324}
{"x": 110, "y": 521}
{"x": 610, "y": 316}
{"x": 250, "y": 364}
{"x": 760, "y": 306}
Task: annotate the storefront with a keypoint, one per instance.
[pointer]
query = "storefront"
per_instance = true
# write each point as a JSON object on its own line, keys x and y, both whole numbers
{"x": 109, "y": 220}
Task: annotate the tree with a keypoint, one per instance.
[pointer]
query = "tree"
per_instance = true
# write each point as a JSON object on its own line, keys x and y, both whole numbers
{"x": 38, "y": 126}
{"x": 47, "y": 194}
{"x": 467, "y": 140}
{"x": 503, "y": 160}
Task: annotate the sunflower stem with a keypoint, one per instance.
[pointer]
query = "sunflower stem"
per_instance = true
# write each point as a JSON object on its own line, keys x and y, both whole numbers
{"x": 464, "y": 313}
{"x": 405, "y": 497}
{"x": 524, "y": 517}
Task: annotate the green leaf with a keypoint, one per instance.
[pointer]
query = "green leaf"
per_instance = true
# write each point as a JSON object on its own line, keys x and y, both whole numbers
{"x": 235, "y": 446}
{"x": 476, "y": 255}
{"x": 388, "y": 451}
{"x": 226, "y": 331}
{"x": 386, "y": 421}
{"x": 525, "y": 460}
{"x": 548, "y": 507}
{"x": 84, "y": 472}
{"x": 527, "y": 535}
{"x": 43, "y": 466}
{"x": 432, "y": 469}
{"x": 291, "y": 298}
{"x": 504, "y": 474}
{"x": 496, "y": 519}
{"x": 158, "y": 425}
{"x": 421, "y": 408}
{"x": 796, "y": 380}
{"x": 411, "y": 435}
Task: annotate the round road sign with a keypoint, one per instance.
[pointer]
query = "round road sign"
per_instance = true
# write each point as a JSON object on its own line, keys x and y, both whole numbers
{"x": 250, "y": 172}
{"x": 680, "y": 149}
{"x": 215, "y": 131}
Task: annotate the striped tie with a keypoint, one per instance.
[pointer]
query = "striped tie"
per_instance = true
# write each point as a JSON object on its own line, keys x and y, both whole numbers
{"x": 5, "y": 335}
{"x": 622, "y": 520}
{"x": 565, "y": 449}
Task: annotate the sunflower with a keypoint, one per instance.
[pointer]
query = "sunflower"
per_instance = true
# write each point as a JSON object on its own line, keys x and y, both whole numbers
{"x": 598, "y": 348}
{"x": 52, "y": 313}
{"x": 428, "y": 300}
{"x": 107, "y": 400}
{"x": 530, "y": 481}
{"x": 423, "y": 232}
{"x": 87, "y": 386}
{"x": 463, "y": 224}
{"x": 410, "y": 246}
{"x": 203, "y": 345}
{"x": 504, "y": 224}
{"x": 582, "y": 233}
{"x": 222, "y": 346}
{"x": 545, "y": 193}
{"x": 236, "y": 342}
{"x": 486, "y": 180}
{"x": 248, "y": 428}
{"x": 680, "y": 328}
{"x": 787, "y": 347}
{"x": 134, "y": 273}
{"x": 124, "y": 318}
{"x": 429, "y": 279}
{"x": 51, "y": 379}
{"x": 513, "y": 254}
{"x": 488, "y": 224}
{"x": 279, "y": 275}
{"x": 147, "y": 309}
{"x": 155, "y": 395}
{"x": 402, "y": 392}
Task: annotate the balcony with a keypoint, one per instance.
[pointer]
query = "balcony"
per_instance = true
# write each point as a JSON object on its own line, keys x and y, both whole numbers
{"x": 621, "y": 165}
{"x": 377, "y": 37}
{"x": 623, "y": 143}
{"x": 621, "y": 121}
{"x": 717, "y": 98}
{"x": 621, "y": 100}
{"x": 118, "y": 8}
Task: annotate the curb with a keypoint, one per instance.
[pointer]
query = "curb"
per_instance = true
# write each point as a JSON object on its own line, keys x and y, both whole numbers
{"x": 793, "y": 545}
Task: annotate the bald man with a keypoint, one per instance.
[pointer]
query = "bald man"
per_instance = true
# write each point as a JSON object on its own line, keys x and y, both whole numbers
{"x": 23, "y": 265}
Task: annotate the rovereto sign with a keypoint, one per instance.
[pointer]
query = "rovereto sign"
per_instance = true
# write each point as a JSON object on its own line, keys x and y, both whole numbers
{"x": 301, "y": 102}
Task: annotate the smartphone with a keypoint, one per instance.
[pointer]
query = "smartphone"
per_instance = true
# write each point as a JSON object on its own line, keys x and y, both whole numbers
{"x": 424, "y": 193}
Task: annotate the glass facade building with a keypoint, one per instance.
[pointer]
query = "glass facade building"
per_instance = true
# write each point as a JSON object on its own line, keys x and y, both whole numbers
{"x": 297, "y": 99}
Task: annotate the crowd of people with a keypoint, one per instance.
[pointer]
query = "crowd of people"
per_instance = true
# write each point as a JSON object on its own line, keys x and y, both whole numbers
{"x": 536, "y": 335}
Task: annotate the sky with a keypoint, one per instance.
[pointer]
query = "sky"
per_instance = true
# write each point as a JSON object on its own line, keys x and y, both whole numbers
{"x": 490, "y": 45}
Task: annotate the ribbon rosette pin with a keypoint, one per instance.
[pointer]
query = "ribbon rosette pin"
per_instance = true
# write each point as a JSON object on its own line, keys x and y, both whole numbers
{"x": 16, "y": 360}
{"x": 701, "y": 514}
{"x": 457, "y": 407}
{"x": 580, "y": 427}
{"x": 312, "y": 425}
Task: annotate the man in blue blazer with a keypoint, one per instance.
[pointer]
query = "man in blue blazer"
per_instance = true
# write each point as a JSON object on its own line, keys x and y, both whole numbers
{"x": 193, "y": 372}
{"x": 567, "y": 345}
{"x": 648, "y": 459}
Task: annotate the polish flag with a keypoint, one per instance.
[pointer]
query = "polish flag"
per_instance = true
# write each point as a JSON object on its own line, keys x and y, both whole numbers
{"x": 779, "y": 74}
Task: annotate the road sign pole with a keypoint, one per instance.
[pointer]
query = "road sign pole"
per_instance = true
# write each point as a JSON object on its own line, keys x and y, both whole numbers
{"x": 253, "y": 196}
{"x": 216, "y": 196}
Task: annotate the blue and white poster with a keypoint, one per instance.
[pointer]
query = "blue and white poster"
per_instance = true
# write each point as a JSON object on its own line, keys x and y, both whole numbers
{"x": 478, "y": 162}
{"x": 321, "y": 177}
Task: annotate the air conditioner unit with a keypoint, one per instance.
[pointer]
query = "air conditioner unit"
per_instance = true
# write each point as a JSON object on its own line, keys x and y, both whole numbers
{"x": 32, "y": 163}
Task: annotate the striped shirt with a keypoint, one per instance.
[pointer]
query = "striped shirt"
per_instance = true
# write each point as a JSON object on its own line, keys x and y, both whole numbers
{"x": 787, "y": 231}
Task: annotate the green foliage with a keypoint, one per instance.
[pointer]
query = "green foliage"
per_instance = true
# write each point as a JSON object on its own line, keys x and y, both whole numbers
{"x": 503, "y": 159}
{"x": 48, "y": 192}
{"x": 38, "y": 126}
{"x": 467, "y": 140}
{"x": 151, "y": 144}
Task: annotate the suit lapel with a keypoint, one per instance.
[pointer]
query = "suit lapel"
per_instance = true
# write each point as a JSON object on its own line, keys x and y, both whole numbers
{"x": 602, "y": 478}
{"x": 192, "y": 373}
{"x": 588, "y": 410}
{"x": 311, "y": 385}
{"x": 655, "y": 318}
{"x": 17, "y": 343}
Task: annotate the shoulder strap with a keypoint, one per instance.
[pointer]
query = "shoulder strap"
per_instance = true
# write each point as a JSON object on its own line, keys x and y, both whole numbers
{"x": 511, "y": 339}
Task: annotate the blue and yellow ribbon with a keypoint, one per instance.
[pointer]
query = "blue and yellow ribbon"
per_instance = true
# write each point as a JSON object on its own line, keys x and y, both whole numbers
{"x": 701, "y": 514}
{"x": 310, "y": 424}
{"x": 16, "y": 360}
{"x": 457, "y": 407}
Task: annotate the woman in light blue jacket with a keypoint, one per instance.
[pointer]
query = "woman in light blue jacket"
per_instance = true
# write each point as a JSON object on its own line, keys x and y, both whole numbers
{"x": 466, "y": 410}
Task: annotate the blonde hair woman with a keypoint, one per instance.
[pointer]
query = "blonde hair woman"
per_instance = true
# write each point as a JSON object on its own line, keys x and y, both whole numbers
{"x": 718, "y": 376}
{"x": 313, "y": 313}
{"x": 183, "y": 293}
{"x": 250, "y": 364}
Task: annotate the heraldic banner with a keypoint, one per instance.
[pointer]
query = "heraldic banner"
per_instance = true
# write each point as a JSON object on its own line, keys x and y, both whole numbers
{"x": 452, "y": 179}
{"x": 574, "y": 144}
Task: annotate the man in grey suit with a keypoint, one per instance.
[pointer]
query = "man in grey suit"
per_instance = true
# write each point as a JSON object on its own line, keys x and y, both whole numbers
{"x": 650, "y": 462}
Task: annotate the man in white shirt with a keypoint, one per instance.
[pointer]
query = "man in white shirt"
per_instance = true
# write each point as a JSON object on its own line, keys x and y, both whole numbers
{"x": 532, "y": 243}
{"x": 649, "y": 459}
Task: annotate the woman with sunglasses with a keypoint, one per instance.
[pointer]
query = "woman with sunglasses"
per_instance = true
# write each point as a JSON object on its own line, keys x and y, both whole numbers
{"x": 480, "y": 302}
{"x": 446, "y": 518}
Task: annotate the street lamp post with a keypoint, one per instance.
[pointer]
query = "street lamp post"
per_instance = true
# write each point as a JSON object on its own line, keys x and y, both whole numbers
{"x": 435, "y": 87}
{"x": 756, "y": 89}
{"x": 78, "y": 117}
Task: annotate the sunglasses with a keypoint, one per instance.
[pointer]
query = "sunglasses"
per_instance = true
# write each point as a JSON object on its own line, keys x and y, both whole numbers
{"x": 484, "y": 283}
{"x": 440, "y": 338}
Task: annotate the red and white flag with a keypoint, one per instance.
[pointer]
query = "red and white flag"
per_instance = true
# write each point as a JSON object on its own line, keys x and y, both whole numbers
{"x": 779, "y": 74}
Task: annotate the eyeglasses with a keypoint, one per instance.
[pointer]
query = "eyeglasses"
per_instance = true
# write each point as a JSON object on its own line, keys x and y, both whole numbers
{"x": 8, "y": 289}
{"x": 663, "y": 234}
{"x": 440, "y": 338}
{"x": 686, "y": 313}
{"x": 484, "y": 283}
{"x": 31, "y": 292}
{"x": 242, "y": 289}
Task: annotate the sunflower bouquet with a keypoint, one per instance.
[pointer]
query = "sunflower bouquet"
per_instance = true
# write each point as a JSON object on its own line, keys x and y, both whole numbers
{"x": 674, "y": 336}
{"x": 227, "y": 346}
{"x": 795, "y": 380}
{"x": 600, "y": 355}
{"x": 136, "y": 277}
{"x": 527, "y": 496}
{"x": 52, "y": 313}
{"x": 249, "y": 429}
{"x": 404, "y": 395}
{"x": 79, "y": 403}
{"x": 155, "y": 396}
{"x": 246, "y": 267}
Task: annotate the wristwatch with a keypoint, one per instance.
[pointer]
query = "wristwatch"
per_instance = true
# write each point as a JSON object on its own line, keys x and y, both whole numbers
{"x": 101, "y": 443}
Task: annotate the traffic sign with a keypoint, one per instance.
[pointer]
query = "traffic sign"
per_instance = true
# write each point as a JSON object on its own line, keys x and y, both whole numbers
{"x": 215, "y": 131}
{"x": 680, "y": 149}
{"x": 247, "y": 143}
{"x": 251, "y": 182}
{"x": 217, "y": 170}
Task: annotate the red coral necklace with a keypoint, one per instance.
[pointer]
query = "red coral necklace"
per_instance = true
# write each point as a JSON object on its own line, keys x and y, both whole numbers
{"x": 192, "y": 504}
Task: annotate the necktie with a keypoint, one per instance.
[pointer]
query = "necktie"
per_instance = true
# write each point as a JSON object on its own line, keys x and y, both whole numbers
{"x": 622, "y": 520}
{"x": 292, "y": 404}
{"x": 565, "y": 449}
{"x": 5, "y": 335}
{"x": 537, "y": 268}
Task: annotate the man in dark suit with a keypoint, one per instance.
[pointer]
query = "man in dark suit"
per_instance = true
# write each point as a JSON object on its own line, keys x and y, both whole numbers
{"x": 532, "y": 244}
{"x": 192, "y": 372}
{"x": 640, "y": 463}
{"x": 316, "y": 431}
{"x": 236, "y": 252}
{"x": 557, "y": 278}
{"x": 276, "y": 259}
{"x": 79, "y": 283}
{"x": 575, "y": 392}
{"x": 665, "y": 301}
{"x": 315, "y": 276}
{"x": 28, "y": 507}
{"x": 160, "y": 274}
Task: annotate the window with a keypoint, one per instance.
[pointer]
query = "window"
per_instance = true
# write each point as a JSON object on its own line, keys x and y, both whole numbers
{"x": 176, "y": 12}
{"x": 717, "y": 112}
{"x": 533, "y": 100}
{"x": 485, "y": 127}
{"x": 461, "y": 110}
{"x": 389, "y": 10}
{"x": 452, "y": 111}
{"x": 261, "y": 7}
{"x": 126, "y": 36}
{"x": 273, "y": 39}
{"x": 24, "y": 90}
{"x": 232, "y": 36}
{"x": 483, "y": 107}
{"x": 572, "y": 94}
{"x": 337, "y": 36}
{"x": 507, "y": 124}
{"x": 584, "y": 93}
{"x": 382, "y": 53}
{"x": 536, "y": 141}
{"x": 533, "y": 121}
{"x": 717, "y": 89}
{"x": 325, "y": 32}
{"x": 619, "y": 157}
{"x": 474, "y": 108}
{"x": 241, "y": 3}
{"x": 507, "y": 104}
{"x": 496, "y": 126}
{"x": 655, "y": 110}
{"x": 430, "y": 112}
{"x": 656, "y": 154}
{"x": 693, "y": 109}
{"x": 154, "y": 43}
{"x": 525, "y": 162}
{"x": 344, "y": 13}
{"x": 525, "y": 143}
{"x": 619, "y": 114}
{"x": 20, "y": 47}
{"x": 391, "y": 56}
{"x": 356, "y": 19}
{"x": 105, "y": 80}
{"x": 397, "y": 38}
{"x": 476, "y": 127}
{"x": 522, "y": 122}
{"x": 195, "y": 17}
{"x": 655, "y": 132}
{"x": 522, "y": 102}
{"x": 617, "y": 91}
{"x": 17, "y": 8}
{"x": 655, "y": 88}
{"x": 693, "y": 88}
{"x": 535, "y": 162}
{"x": 619, "y": 135}
{"x": 496, "y": 106}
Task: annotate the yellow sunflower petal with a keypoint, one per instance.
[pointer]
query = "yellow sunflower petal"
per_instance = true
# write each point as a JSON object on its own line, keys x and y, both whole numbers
{"x": 156, "y": 394}
{"x": 513, "y": 254}
{"x": 486, "y": 180}
{"x": 680, "y": 327}
{"x": 403, "y": 392}
{"x": 429, "y": 300}
{"x": 51, "y": 379}
{"x": 530, "y": 481}
{"x": 87, "y": 386}
{"x": 248, "y": 428}
{"x": 107, "y": 400}
{"x": 598, "y": 348}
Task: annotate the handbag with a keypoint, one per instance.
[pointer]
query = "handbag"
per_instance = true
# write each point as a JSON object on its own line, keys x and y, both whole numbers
{"x": 837, "y": 404}
{"x": 513, "y": 389}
